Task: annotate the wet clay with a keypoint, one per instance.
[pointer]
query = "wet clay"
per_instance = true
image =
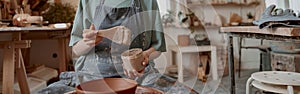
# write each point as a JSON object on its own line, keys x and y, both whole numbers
{"x": 132, "y": 59}
{"x": 108, "y": 86}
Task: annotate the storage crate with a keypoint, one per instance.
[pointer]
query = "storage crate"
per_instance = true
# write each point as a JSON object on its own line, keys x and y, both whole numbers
{"x": 34, "y": 84}
{"x": 44, "y": 73}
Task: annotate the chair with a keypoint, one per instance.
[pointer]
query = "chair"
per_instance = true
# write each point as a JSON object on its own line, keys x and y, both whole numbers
{"x": 275, "y": 82}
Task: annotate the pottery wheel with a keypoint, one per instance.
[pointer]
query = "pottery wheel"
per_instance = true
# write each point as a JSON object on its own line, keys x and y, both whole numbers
{"x": 139, "y": 90}
{"x": 147, "y": 90}
{"x": 277, "y": 78}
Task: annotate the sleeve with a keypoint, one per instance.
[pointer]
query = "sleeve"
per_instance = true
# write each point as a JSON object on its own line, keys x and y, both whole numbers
{"x": 76, "y": 34}
{"x": 157, "y": 38}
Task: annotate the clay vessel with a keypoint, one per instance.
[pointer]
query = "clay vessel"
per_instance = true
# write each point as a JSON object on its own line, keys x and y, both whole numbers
{"x": 183, "y": 40}
{"x": 107, "y": 86}
{"x": 132, "y": 59}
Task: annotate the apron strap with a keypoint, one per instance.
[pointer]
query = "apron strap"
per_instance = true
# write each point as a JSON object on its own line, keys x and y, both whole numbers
{"x": 102, "y": 2}
{"x": 136, "y": 4}
{"x": 97, "y": 20}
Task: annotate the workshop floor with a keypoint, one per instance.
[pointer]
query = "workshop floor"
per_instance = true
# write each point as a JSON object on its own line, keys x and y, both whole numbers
{"x": 224, "y": 87}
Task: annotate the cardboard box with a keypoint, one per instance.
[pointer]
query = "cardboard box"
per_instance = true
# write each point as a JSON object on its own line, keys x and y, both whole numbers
{"x": 44, "y": 73}
{"x": 35, "y": 85}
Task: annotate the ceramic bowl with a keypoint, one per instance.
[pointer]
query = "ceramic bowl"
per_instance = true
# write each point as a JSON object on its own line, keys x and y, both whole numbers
{"x": 107, "y": 86}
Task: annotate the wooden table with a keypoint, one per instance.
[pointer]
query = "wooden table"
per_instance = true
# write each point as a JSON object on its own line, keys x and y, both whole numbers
{"x": 280, "y": 34}
{"x": 183, "y": 56}
{"x": 21, "y": 38}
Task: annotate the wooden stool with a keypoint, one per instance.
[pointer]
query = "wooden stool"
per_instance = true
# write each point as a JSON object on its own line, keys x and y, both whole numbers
{"x": 275, "y": 81}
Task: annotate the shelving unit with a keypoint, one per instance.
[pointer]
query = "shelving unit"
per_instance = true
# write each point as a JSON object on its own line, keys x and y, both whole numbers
{"x": 191, "y": 4}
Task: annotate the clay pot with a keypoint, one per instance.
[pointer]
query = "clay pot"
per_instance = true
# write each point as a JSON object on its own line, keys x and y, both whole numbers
{"x": 132, "y": 59}
{"x": 107, "y": 86}
{"x": 183, "y": 40}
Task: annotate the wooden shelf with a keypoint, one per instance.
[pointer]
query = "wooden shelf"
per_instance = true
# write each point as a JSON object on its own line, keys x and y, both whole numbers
{"x": 223, "y": 4}
{"x": 281, "y": 31}
{"x": 191, "y": 48}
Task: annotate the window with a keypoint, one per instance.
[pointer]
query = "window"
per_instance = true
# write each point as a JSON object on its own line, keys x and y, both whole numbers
{"x": 294, "y": 4}
{"x": 163, "y": 6}
{"x": 284, "y": 4}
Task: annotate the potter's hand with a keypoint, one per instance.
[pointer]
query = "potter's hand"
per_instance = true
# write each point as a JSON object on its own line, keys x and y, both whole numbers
{"x": 146, "y": 58}
{"x": 118, "y": 34}
{"x": 133, "y": 73}
{"x": 90, "y": 36}
{"x": 90, "y": 39}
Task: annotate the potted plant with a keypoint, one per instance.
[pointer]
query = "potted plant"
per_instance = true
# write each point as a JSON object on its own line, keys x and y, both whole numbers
{"x": 59, "y": 13}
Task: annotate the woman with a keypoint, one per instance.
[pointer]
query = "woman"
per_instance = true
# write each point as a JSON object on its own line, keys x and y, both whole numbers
{"x": 96, "y": 25}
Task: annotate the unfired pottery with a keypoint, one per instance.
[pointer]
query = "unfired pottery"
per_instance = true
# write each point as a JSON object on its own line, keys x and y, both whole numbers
{"x": 132, "y": 59}
{"x": 107, "y": 86}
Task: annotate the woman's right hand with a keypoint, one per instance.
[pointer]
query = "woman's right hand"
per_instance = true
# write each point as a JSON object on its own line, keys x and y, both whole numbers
{"x": 90, "y": 36}
{"x": 90, "y": 39}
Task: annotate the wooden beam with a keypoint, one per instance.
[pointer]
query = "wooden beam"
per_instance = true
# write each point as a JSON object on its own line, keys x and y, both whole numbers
{"x": 62, "y": 57}
{"x": 21, "y": 73}
{"x": 17, "y": 44}
{"x": 8, "y": 69}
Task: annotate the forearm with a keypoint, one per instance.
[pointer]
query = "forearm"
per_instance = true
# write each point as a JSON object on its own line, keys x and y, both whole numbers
{"x": 80, "y": 48}
{"x": 92, "y": 38}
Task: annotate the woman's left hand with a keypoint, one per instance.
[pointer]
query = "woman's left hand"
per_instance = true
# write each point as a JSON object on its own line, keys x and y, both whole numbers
{"x": 133, "y": 74}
